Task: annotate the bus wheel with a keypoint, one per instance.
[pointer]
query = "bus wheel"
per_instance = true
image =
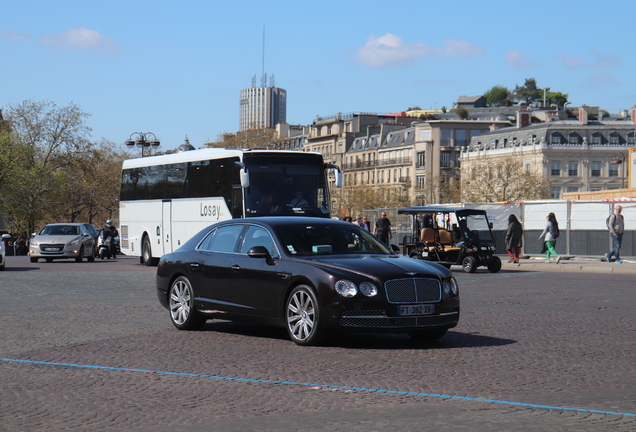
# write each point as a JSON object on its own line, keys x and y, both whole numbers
{"x": 146, "y": 252}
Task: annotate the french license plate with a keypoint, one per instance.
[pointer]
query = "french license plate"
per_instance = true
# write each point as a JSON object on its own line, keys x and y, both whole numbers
{"x": 416, "y": 310}
{"x": 51, "y": 249}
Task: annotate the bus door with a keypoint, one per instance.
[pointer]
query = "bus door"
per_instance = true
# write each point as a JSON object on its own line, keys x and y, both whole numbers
{"x": 166, "y": 224}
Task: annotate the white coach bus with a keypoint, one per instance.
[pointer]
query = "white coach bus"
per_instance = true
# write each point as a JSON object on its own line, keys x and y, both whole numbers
{"x": 165, "y": 200}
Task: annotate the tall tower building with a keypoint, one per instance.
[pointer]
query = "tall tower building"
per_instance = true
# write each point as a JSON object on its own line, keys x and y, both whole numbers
{"x": 262, "y": 107}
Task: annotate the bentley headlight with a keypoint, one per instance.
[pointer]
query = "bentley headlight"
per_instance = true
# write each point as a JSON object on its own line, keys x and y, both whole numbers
{"x": 368, "y": 289}
{"x": 450, "y": 287}
{"x": 447, "y": 287}
{"x": 346, "y": 288}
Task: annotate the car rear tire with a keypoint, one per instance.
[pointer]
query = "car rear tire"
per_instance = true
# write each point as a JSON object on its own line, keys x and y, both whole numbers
{"x": 91, "y": 257}
{"x": 495, "y": 265}
{"x": 80, "y": 255}
{"x": 427, "y": 335}
{"x": 302, "y": 316}
{"x": 469, "y": 264}
{"x": 181, "y": 305}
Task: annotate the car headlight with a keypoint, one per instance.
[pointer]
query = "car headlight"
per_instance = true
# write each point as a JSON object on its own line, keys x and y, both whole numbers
{"x": 33, "y": 243}
{"x": 74, "y": 242}
{"x": 450, "y": 287}
{"x": 368, "y": 289}
{"x": 346, "y": 288}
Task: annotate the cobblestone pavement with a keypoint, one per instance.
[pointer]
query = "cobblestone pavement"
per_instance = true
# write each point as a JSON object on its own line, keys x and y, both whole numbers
{"x": 535, "y": 343}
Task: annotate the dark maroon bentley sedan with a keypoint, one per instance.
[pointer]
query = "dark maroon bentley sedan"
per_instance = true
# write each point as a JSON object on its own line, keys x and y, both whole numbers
{"x": 316, "y": 277}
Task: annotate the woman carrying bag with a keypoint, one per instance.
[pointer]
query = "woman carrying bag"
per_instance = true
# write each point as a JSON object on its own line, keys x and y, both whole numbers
{"x": 550, "y": 234}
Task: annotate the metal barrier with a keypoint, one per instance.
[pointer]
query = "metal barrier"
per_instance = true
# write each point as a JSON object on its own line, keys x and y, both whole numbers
{"x": 583, "y": 231}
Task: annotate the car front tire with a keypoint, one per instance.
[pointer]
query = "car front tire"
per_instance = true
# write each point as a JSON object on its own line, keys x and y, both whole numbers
{"x": 495, "y": 265}
{"x": 302, "y": 316}
{"x": 181, "y": 305}
{"x": 80, "y": 255}
{"x": 469, "y": 264}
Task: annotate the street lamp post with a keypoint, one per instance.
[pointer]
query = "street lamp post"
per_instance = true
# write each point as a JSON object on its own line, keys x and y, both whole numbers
{"x": 144, "y": 140}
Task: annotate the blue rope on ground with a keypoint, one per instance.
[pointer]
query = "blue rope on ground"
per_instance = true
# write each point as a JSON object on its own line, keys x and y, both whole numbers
{"x": 327, "y": 386}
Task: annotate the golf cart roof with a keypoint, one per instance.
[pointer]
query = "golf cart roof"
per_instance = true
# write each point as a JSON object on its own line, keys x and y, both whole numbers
{"x": 438, "y": 209}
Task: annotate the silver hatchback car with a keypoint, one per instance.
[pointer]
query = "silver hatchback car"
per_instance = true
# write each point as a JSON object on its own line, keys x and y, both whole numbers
{"x": 62, "y": 240}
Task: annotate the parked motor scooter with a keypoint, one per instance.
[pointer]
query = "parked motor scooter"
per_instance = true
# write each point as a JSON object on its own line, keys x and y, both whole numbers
{"x": 106, "y": 246}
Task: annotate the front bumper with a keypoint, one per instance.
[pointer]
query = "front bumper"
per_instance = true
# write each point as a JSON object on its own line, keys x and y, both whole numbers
{"x": 54, "y": 251}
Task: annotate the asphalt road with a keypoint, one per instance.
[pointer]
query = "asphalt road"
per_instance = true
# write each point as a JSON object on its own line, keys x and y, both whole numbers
{"x": 540, "y": 347}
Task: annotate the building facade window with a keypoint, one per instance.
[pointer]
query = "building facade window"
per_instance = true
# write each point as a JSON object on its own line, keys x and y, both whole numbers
{"x": 445, "y": 159}
{"x": 573, "y": 189}
{"x": 555, "y": 139}
{"x": 421, "y": 159}
{"x": 613, "y": 170}
{"x": 555, "y": 168}
{"x": 555, "y": 193}
{"x": 596, "y": 169}
{"x": 446, "y": 137}
{"x": 573, "y": 169}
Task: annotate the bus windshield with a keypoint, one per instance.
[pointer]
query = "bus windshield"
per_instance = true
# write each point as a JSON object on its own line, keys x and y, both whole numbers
{"x": 295, "y": 185}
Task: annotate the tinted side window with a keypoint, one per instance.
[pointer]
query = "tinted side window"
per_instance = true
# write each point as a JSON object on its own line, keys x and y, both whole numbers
{"x": 223, "y": 239}
{"x": 257, "y": 236}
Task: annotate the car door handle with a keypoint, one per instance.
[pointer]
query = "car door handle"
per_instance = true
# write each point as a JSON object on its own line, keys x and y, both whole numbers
{"x": 236, "y": 267}
{"x": 194, "y": 266}
{"x": 284, "y": 275}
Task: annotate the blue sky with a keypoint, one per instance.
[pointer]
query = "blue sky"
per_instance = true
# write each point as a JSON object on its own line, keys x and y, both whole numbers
{"x": 176, "y": 68}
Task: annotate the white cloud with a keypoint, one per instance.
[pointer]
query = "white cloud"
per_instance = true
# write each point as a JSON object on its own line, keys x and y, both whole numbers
{"x": 601, "y": 61}
{"x": 571, "y": 62}
{"x": 517, "y": 60}
{"x": 14, "y": 34}
{"x": 390, "y": 51}
{"x": 459, "y": 48}
{"x": 602, "y": 79}
{"x": 81, "y": 39}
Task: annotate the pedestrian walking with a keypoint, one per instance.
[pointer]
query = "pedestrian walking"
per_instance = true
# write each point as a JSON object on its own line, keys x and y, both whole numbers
{"x": 365, "y": 224}
{"x": 616, "y": 225}
{"x": 550, "y": 234}
{"x": 514, "y": 235}
{"x": 382, "y": 229}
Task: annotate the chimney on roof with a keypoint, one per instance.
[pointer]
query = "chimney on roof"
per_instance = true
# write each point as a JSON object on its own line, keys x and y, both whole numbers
{"x": 583, "y": 114}
{"x": 634, "y": 114}
{"x": 524, "y": 117}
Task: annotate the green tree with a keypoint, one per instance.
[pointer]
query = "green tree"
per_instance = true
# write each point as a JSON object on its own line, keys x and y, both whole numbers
{"x": 496, "y": 94}
{"x": 528, "y": 92}
{"x": 462, "y": 113}
{"x": 43, "y": 142}
{"x": 557, "y": 98}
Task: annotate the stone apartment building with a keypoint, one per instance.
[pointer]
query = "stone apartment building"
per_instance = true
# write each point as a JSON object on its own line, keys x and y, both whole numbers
{"x": 397, "y": 151}
{"x": 575, "y": 155}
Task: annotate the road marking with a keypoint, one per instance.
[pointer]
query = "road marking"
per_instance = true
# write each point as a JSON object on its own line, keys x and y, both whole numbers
{"x": 315, "y": 386}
